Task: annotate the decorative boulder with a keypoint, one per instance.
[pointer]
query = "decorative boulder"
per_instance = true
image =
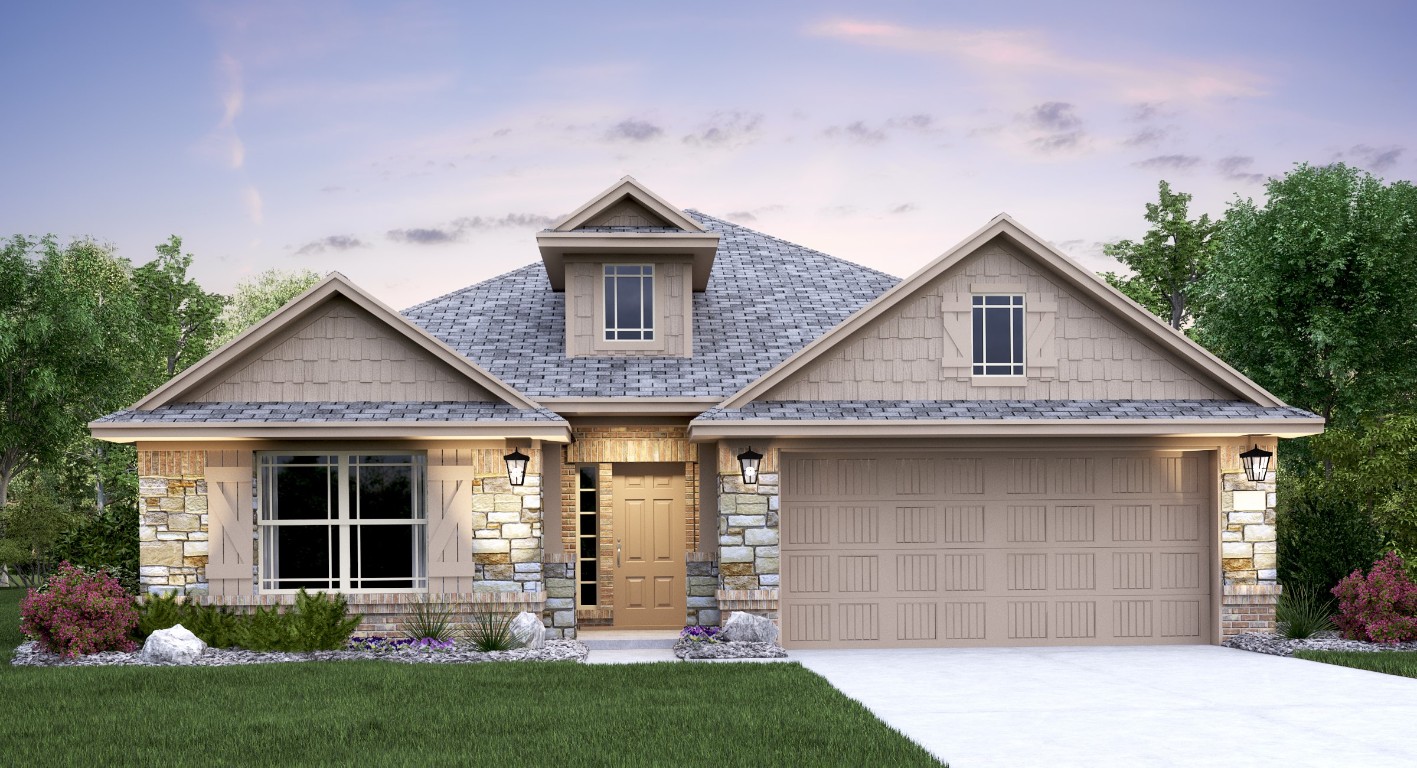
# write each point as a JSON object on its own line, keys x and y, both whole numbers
{"x": 176, "y": 645}
{"x": 528, "y": 632}
{"x": 748, "y": 628}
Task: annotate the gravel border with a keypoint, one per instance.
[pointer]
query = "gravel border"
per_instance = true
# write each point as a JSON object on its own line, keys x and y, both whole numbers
{"x": 698, "y": 649}
{"x": 1277, "y": 645}
{"x": 31, "y": 655}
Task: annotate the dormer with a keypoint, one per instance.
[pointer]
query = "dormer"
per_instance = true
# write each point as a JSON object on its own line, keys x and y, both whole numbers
{"x": 629, "y": 264}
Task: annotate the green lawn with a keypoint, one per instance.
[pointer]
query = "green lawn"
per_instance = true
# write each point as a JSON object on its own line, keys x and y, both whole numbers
{"x": 9, "y": 624}
{"x": 1387, "y": 662}
{"x": 375, "y": 713}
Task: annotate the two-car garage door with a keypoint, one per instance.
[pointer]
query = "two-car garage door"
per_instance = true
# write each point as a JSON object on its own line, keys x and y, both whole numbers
{"x": 940, "y": 549}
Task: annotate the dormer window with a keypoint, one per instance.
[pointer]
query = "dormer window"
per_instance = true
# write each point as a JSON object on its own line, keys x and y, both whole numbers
{"x": 998, "y": 335}
{"x": 629, "y": 302}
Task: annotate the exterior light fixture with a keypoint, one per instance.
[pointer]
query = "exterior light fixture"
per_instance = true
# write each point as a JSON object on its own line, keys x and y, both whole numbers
{"x": 749, "y": 461}
{"x": 1256, "y": 461}
{"x": 516, "y": 466}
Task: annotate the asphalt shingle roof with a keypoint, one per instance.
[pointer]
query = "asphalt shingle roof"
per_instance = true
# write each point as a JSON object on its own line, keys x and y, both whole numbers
{"x": 239, "y": 413}
{"x": 766, "y": 299}
{"x": 978, "y": 410}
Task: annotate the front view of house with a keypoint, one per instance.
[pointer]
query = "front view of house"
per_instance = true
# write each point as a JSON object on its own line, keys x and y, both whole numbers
{"x": 671, "y": 418}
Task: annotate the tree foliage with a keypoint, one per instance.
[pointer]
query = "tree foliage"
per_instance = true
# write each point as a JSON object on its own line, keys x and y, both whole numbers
{"x": 1312, "y": 294}
{"x": 259, "y": 297}
{"x": 1169, "y": 262}
{"x": 182, "y": 317}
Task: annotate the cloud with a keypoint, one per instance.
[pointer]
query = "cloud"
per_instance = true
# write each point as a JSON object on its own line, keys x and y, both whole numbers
{"x": 633, "y": 131}
{"x": 1237, "y": 168}
{"x": 743, "y": 216}
{"x": 727, "y": 129}
{"x": 1031, "y": 54}
{"x": 916, "y": 122}
{"x": 517, "y": 220}
{"x": 232, "y": 100}
{"x": 861, "y": 132}
{"x": 858, "y": 132}
{"x": 458, "y": 228}
{"x": 422, "y": 236}
{"x": 255, "y": 208}
{"x": 1169, "y": 162}
{"x": 1373, "y": 158}
{"x": 330, "y": 243}
{"x": 749, "y": 216}
{"x": 1055, "y": 116}
{"x": 1146, "y": 137}
{"x": 905, "y": 208}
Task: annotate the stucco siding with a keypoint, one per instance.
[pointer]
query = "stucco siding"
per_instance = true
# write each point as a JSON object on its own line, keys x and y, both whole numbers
{"x": 921, "y": 348}
{"x": 342, "y": 354}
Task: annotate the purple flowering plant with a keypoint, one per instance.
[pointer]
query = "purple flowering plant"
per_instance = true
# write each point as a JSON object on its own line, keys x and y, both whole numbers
{"x": 77, "y": 613}
{"x": 700, "y": 634}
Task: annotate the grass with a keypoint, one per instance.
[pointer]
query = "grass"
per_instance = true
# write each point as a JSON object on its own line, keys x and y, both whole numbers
{"x": 1402, "y": 663}
{"x": 377, "y": 713}
{"x": 9, "y": 624}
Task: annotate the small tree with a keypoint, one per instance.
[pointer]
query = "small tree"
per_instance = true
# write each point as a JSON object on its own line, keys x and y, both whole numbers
{"x": 260, "y": 296}
{"x": 1169, "y": 262}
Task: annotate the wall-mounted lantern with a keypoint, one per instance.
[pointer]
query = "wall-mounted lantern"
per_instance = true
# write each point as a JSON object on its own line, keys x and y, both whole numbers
{"x": 1256, "y": 461}
{"x": 516, "y": 466}
{"x": 749, "y": 461}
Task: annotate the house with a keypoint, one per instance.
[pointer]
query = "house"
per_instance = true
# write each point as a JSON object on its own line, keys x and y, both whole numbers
{"x": 998, "y": 450}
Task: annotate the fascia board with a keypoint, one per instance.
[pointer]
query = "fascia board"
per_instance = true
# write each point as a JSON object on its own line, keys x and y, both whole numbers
{"x": 1286, "y": 428}
{"x": 558, "y": 432}
{"x": 628, "y": 186}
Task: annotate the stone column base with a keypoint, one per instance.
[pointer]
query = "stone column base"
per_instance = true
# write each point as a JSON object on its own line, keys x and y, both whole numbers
{"x": 702, "y": 586}
{"x": 1248, "y": 608}
{"x": 559, "y": 616}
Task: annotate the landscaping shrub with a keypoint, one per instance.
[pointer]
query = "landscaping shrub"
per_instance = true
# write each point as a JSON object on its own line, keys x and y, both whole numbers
{"x": 317, "y": 622}
{"x": 1323, "y": 534}
{"x": 430, "y": 619}
{"x": 77, "y": 613}
{"x": 1303, "y": 613}
{"x": 1380, "y": 607}
{"x": 490, "y": 632}
{"x": 108, "y": 541}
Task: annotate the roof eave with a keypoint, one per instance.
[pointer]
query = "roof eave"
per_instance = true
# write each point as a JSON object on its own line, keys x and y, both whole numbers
{"x": 555, "y": 247}
{"x": 127, "y": 432}
{"x": 700, "y": 430}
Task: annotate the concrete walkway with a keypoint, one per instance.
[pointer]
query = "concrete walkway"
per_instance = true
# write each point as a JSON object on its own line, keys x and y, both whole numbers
{"x": 1164, "y": 706}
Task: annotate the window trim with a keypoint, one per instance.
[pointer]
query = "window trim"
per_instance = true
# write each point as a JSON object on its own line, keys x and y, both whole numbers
{"x": 343, "y": 521}
{"x": 979, "y": 364}
{"x": 647, "y": 317}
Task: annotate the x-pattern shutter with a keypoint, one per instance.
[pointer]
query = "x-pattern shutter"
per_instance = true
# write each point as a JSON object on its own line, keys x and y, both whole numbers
{"x": 450, "y": 564}
{"x": 229, "y": 529}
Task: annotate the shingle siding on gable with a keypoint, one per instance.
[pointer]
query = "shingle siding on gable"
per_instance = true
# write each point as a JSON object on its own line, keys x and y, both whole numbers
{"x": 584, "y": 301}
{"x": 626, "y": 213}
{"x": 342, "y": 354}
{"x": 906, "y": 354}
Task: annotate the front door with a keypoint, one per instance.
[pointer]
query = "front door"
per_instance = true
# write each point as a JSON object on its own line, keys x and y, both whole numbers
{"x": 649, "y": 546}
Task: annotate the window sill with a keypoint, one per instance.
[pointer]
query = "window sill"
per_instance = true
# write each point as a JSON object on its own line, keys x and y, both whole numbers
{"x": 998, "y": 381}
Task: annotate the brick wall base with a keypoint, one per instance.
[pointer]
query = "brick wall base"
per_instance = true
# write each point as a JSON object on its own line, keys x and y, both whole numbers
{"x": 1247, "y": 608}
{"x": 760, "y": 602}
{"x": 386, "y": 615}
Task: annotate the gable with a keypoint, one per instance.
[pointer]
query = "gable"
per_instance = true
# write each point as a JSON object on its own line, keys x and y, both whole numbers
{"x": 920, "y": 346}
{"x": 626, "y": 213}
{"x": 339, "y": 352}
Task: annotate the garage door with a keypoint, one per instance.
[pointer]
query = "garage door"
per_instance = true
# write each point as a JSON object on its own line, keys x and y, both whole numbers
{"x": 930, "y": 550}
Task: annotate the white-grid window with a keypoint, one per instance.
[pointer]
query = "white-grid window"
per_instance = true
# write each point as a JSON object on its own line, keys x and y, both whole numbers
{"x": 998, "y": 335}
{"x": 342, "y": 521}
{"x": 629, "y": 302}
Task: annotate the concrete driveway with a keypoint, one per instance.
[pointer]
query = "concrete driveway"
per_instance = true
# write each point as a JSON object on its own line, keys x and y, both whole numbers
{"x": 1179, "y": 705}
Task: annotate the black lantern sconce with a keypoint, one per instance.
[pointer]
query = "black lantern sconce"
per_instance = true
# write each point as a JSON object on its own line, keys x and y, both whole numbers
{"x": 1256, "y": 461}
{"x": 516, "y": 466}
{"x": 749, "y": 461}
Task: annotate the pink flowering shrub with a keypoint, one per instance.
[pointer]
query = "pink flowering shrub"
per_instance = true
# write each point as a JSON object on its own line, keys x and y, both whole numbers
{"x": 1380, "y": 607}
{"x": 77, "y": 613}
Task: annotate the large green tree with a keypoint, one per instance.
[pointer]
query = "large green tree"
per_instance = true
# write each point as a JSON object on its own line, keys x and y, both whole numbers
{"x": 182, "y": 316}
{"x": 1313, "y": 294}
{"x": 1170, "y": 260}
{"x": 260, "y": 296}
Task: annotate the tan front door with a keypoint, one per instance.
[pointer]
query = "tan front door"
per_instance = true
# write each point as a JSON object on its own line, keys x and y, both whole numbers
{"x": 649, "y": 546}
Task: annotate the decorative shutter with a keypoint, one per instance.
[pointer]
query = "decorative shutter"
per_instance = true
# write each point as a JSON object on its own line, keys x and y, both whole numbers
{"x": 958, "y": 352}
{"x": 1041, "y": 350}
{"x": 450, "y": 564}
{"x": 229, "y": 529}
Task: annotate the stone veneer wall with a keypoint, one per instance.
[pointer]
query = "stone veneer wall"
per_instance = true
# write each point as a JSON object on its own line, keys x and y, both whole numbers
{"x": 748, "y": 540}
{"x": 506, "y": 534}
{"x": 702, "y": 584}
{"x": 560, "y": 613}
{"x": 1248, "y": 560}
{"x": 172, "y": 521}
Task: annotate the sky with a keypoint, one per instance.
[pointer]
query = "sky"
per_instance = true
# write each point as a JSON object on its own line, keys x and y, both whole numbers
{"x": 418, "y": 146}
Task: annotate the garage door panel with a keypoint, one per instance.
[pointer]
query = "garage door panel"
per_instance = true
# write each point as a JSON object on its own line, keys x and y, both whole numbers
{"x": 962, "y": 551}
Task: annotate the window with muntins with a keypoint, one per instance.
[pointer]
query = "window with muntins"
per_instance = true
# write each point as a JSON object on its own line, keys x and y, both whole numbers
{"x": 342, "y": 521}
{"x": 998, "y": 335}
{"x": 587, "y": 534}
{"x": 629, "y": 302}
